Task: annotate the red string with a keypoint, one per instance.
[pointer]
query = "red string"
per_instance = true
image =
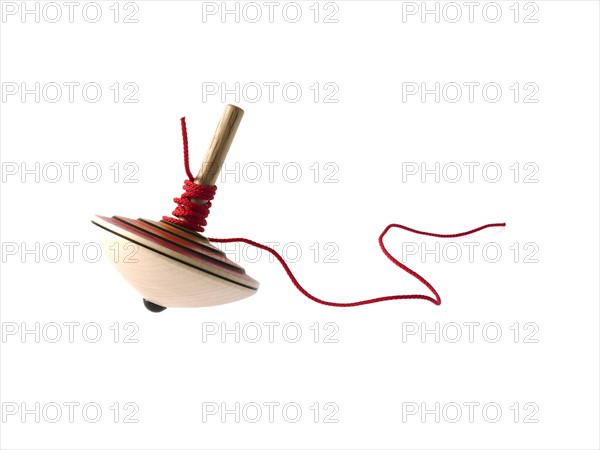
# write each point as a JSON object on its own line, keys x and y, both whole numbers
{"x": 187, "y": 213}
{"x": 185, "y": 149}
{"x": 436, "y": 301}
{"x": 194, "y": 216}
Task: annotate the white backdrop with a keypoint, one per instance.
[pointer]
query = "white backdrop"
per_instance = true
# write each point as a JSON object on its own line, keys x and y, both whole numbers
{"x": 440, "y": 116}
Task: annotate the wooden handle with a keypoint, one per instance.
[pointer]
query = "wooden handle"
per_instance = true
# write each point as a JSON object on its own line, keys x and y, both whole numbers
{"x": 222, "y": 139}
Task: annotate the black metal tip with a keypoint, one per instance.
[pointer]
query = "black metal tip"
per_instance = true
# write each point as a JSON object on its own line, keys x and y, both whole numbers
{"x": 153, "y": 307}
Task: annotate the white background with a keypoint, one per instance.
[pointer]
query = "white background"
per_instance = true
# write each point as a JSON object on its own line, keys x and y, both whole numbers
{"x": 375, "y": 369}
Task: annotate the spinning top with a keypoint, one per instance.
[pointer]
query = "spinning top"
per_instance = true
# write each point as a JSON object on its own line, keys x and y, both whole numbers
{"x": 168, "y": 261}
{"x": 172, "y": 265}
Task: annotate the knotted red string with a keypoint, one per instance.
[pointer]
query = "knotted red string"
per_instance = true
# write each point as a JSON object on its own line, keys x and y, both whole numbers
{"x": 188, "y": 213}
{"x": 193, "y": 216}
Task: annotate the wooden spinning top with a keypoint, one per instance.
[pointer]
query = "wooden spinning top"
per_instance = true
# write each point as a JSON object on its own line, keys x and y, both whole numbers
{"x": 167, "y": 262}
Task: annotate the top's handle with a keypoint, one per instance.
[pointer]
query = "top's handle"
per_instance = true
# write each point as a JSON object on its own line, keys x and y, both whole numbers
{"x": 217, "y": 151}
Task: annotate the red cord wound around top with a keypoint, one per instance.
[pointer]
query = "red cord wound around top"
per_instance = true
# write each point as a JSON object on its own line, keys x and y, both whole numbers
{"x": 193, "y": 216}
{"x": 187, "y": 213}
